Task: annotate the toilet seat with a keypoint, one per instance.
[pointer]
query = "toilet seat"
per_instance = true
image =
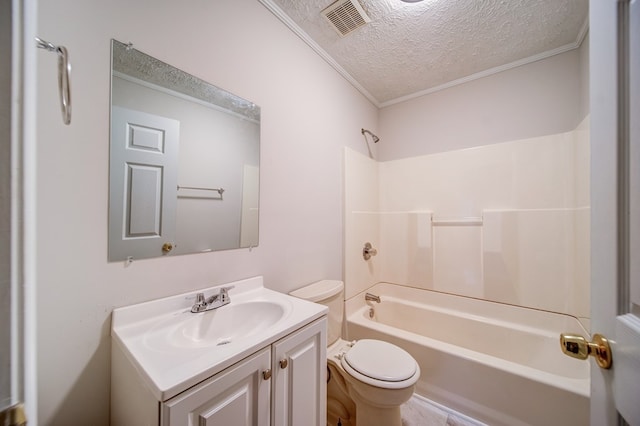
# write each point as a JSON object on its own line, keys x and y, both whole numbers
{"x": 380, "y": 364}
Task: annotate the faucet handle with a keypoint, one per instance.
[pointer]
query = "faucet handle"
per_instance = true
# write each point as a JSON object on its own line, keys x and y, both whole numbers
{"x": 225, "y": 290}
{"x": 200, "y": 304}
{"x": 224, "y": 293}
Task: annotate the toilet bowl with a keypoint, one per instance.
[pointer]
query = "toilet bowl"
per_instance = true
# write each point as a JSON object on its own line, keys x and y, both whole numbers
{"x": 377, "y": 376}
{"x": 368, "y": 380}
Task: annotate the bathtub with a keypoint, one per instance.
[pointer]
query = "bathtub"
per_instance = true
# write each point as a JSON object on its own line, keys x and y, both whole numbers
{"x": 500, "y": 364}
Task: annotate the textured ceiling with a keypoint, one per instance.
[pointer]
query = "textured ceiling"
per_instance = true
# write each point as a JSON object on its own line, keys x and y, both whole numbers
{"x": 410, "y": 49}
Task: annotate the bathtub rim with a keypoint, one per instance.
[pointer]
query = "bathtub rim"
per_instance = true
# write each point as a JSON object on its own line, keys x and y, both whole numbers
{"x": 357, "y": 301}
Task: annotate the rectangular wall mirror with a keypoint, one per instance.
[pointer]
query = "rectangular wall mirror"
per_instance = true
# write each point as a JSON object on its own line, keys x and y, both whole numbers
{"x": 184, "y": 162}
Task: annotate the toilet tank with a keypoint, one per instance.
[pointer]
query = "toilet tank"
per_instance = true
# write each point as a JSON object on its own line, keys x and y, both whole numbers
{"x": 328, "y": 293}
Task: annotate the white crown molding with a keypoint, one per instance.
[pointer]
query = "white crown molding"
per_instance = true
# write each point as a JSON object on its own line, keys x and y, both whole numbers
{"x": 279, "y": 13}
{"x": 582, "y": 34}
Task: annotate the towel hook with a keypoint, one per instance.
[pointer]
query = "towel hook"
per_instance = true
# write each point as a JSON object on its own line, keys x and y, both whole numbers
{"x": 64, "y": 72}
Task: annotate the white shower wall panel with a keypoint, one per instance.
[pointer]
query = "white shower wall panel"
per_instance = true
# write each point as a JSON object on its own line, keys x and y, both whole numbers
{"x": 457, "y": 260}
{"x": 406, "y": 248}
{"x": 533, "y": 258}
{"x": 362, "y": 221}
{"x": 361, "y": 227}
{"x": 534, "y": 173}
{"x": 530, "y": 245}
{"x": 530, "y": 258}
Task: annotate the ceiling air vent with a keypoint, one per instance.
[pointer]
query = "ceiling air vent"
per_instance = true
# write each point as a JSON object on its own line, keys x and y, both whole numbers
{"x": 345, "y": 16}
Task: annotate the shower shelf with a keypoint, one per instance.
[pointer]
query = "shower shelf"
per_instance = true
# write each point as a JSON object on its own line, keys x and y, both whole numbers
{"x": 462, "y": 221}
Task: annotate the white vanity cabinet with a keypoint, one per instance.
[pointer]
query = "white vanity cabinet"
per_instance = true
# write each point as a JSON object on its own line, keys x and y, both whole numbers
{"x": 257, "y": 361}
{"x": 285, "y": 383}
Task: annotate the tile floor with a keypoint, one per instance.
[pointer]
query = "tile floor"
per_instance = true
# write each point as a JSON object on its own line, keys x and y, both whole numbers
{"x": 420, "y": 412}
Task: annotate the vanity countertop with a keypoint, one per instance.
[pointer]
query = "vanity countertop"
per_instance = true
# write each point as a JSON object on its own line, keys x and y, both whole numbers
{"x": 173, "y": 349}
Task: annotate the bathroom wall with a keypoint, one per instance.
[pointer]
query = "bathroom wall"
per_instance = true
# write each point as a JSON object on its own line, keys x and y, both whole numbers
{"x": 506, "y": 222}
{"x": 309, "y": 114}
{"x": 546, "y": 97}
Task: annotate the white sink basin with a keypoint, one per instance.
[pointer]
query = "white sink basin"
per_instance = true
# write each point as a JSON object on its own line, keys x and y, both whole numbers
{"x": 174, "y": 349}
{"x": 217, "y": 327}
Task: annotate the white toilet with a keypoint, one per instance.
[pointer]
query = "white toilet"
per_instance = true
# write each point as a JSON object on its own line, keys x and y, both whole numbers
{"x": 368, "y": 379}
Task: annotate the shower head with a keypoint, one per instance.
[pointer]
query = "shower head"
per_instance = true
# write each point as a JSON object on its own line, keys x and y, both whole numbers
{"x": 374, "y": 137}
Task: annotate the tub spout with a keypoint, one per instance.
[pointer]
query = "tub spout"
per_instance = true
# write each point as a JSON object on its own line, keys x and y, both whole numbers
{"x": 372, "y": 297}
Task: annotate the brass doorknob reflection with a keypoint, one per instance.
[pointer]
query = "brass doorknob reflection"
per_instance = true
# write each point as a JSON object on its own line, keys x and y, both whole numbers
{"x": 578, "y": 347}
{"x": 167, "y": 247}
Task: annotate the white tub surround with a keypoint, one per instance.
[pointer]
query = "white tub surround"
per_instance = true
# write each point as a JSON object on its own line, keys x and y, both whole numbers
{"x": 498, "y": 363}
{"x": 507, "y": 222}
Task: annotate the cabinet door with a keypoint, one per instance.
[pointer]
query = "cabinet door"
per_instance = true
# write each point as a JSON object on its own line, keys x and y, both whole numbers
{"x": 237, "y": 396}
{"x": 300, "y": 377}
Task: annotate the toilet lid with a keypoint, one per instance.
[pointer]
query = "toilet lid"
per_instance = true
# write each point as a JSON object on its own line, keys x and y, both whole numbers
{"x": 380, "y": 360}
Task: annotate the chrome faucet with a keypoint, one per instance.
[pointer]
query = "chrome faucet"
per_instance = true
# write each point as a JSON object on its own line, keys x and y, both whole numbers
{"x": 372, "y": 297}
{"x": 212, "y": 302}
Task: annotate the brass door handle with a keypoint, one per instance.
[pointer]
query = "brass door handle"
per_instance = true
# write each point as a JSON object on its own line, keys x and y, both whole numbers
{"x": 13, "y": 416}
{"x": 284, "y": 363}
{"x": 266, "y": 374}
{"x": 167, "y": 247}
{"x": 578, "y": 347}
